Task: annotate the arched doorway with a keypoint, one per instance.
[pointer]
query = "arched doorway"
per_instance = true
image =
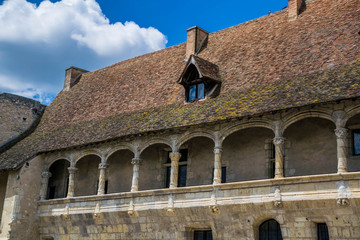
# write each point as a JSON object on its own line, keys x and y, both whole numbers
{"x": 270, "y": 230}
{"x": 59, "y": 180}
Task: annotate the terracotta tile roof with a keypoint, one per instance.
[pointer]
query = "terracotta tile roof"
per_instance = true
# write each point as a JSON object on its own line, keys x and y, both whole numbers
{"x": 264, "y": 65}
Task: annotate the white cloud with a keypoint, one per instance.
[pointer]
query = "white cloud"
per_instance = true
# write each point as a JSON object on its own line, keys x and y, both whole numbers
{"x": 37, "y": 43}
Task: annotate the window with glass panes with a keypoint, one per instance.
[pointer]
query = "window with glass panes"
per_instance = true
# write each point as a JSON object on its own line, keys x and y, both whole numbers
{"x": 356, "y": 141}
{"x": 203, "y": 235}
{"x": 270, "y": 230}
{"x": 322, "y": 231}
{"x": 196, "y": 92}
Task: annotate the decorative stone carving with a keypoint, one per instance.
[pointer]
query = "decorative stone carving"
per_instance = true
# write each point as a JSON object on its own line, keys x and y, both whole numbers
{"x": 131, "y": 211}
{"x": 214, "y": 207}
{"x": 97, "y": 213}
{"x": 170, "y": 210}
{"x": 278, "y": 140}
{"x": 66, "y": 214}
{"x": 342, "y": 198}
{"x": 341, "y": 133}
{"x": 341, "y": 136}
{"x": 277, "y": 198}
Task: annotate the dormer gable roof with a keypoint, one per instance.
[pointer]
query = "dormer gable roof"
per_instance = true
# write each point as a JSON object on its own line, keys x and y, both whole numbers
{"x": 205, "y": 69}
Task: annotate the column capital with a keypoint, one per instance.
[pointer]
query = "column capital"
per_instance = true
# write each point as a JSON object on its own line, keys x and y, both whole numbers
{"x": 72, "y": 170}
{"x": 103, "y": 165}
{"x": 341, "y": 133}
{"x": 278, "y": 140}
{"x": 136, "y": 161}
{"x": 175, "y": 156}
{"x": 46, "y": 174}
{"x": 217, "y": 149}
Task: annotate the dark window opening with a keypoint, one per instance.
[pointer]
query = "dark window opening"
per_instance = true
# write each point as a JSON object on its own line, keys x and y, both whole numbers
{"x": 168, "y": 173}
{"x": 106, "y": 187}
{"x": 223, "y": 175}
{"x": 356, "y": 141}
{"x": 182, "y": 176}
{"x": 203, "y": 235}
{"x": 322, "y": 231}
{"x": 272, "y": 168}
{"x": 52, "y": 192}
{"x": 270, "y": 230}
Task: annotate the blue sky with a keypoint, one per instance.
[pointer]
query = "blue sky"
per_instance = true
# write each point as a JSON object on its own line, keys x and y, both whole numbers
{"x": 39, "y": 40}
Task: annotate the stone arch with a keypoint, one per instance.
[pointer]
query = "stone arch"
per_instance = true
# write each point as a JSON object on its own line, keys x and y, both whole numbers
{"x": 85, "y": 153}
{"x": 118, "y": 147}
{"x": 244, "y": 147}
{"x": 154, "y": 141}
{"x": 58, "y": 181}
{"x": 52, "y": 160}
{"x": 352, "y": 112}
{"x": 189, "y": 135}
{"x": 240, "y": 126}
{"x": 260, "y": 220}
{"x": 87, "y": 174}
{"x": 310, "y": 145}
{"x": 288, "y": 121}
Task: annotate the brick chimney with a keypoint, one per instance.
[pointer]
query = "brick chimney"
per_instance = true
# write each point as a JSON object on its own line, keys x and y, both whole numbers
{"x": 72, "y": 75}
{"x": 294, "y": 8}
{"x": 196, "y": 39}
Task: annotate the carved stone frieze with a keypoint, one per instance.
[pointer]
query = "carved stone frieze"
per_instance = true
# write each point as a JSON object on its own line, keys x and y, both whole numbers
{"x": 341, "y": 133}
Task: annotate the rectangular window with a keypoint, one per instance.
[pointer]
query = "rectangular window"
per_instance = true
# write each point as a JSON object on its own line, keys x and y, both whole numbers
{"x": 322, "y": 230}
{"x": 200, "y": 91}
{"x": 203, "y": 235}
{"x": 52, "y": 192}
{"x": 182, "y": 176}
{"x": 192, "y": 93}
{"x": 223, "y": 174}
{"x": 168, "y": 173}
{"x": 356, "y": 141}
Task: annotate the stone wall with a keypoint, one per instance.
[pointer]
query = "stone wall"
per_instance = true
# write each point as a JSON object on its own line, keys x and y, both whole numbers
{"x": 20, "y": 204}
{"x": 241, "y": 208}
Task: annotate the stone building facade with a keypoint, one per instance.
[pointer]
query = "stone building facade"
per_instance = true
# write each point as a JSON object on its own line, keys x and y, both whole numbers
{"x": 254, "y": 136}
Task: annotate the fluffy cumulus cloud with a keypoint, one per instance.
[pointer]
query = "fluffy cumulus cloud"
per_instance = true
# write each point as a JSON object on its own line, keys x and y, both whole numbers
{"x": 37, "y": 43}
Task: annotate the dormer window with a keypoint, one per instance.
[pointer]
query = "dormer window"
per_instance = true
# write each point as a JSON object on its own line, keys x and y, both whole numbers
{"x": 196, "y": 92}
{"x": 200, "y": 79}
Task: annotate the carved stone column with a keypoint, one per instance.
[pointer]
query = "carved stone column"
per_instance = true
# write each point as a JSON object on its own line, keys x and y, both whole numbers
{"x": 135, "y": 180}
{"x": 71, "y": 188}
{"x": 341, "y": 137}
{"x": 175, "y": 157}
{"x": 217, "y": 165}
{"x": 102, "y": 178}
{"x": 279, "y": 156}
{"x": 44, "y": 184}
